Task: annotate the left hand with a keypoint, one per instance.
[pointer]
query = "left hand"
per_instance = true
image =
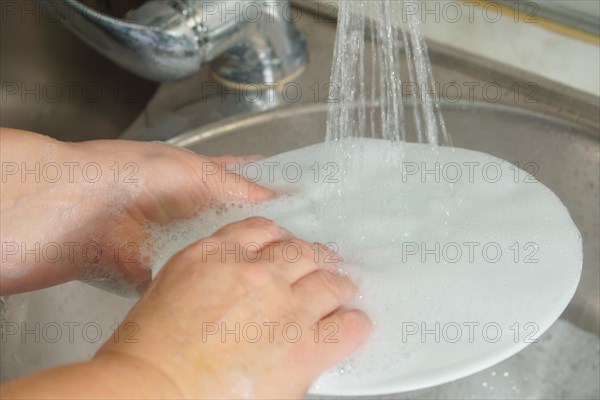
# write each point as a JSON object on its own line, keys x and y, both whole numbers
{"x": 78, "y": 210}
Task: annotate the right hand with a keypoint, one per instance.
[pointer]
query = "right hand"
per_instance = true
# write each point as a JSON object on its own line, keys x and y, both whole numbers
{"x": 254, "y": 294}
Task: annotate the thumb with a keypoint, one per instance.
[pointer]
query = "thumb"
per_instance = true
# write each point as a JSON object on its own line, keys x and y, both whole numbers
{"x": 229, "y": 185}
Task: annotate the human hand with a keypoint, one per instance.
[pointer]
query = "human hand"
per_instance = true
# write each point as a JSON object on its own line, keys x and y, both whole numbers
{"x": 203, "y": 292}
{"x": 78, "y": 210}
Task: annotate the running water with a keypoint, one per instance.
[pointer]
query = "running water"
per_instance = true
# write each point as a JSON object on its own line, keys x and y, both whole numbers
{"x": 371, "y": 37}
{"x": 348, "y": 117}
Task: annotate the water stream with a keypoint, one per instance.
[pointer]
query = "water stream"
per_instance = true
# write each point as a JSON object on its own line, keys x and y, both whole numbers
{"x": 378, "y": 111}
{"x": 389, "y": 28}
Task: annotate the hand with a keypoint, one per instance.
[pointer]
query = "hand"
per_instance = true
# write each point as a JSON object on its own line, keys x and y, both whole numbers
{"x": 78, "y": 210}
{"x": 212, "y": 325}
{"x": 203, "y": 292}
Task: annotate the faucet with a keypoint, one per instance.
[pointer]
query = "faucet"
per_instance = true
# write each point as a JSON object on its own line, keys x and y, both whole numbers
{"x": 247, "y": 41}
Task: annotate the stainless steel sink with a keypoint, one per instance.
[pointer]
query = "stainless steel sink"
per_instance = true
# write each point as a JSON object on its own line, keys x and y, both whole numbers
{"x": 551, "y": 126}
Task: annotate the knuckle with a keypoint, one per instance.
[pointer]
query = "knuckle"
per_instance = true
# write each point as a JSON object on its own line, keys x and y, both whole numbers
{"x": 261, "y": 223}
{"x": 270, "y": 230}
{"x": 331, "y": 284}
{"x": 306, "y": 248}
{"x": 257, "y": 274}
{"x": 188, "y": 252}
{"x": 205, "y": 250}
{"x": 355, "y": 322}
{"x": 293, "y": 251}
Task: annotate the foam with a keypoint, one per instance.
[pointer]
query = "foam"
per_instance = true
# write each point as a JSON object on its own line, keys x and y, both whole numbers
{"x": 386, "y": 207}
{"x": 543, "y": 370}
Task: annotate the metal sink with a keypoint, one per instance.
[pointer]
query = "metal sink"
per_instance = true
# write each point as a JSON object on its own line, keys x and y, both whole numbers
{"x": 557, "y": 131}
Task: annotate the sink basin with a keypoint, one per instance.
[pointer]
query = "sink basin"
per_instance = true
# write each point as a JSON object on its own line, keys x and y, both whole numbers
{"x": 563, "y": 156}
{"x": 556, "y": 137}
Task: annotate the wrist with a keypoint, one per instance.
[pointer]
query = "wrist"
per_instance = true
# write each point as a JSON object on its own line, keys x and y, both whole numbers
{"x": 47, "y": 211}
{"x": 126, "y": 376}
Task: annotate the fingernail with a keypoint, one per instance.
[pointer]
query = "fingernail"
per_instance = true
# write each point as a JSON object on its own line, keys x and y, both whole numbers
{"x": 248, "y": 159}
{"x": 284, "y": 233}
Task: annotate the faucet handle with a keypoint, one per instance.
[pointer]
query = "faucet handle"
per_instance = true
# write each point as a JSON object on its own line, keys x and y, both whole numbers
{"x": 168, "y": 40}
{"x": 270, "y": 51}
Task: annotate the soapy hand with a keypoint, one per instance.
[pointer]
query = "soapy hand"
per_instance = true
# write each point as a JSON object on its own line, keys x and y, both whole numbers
{"x": 78, "y": 210}
{"x": 223, "y": 324}
{"x": 276, "y": 326}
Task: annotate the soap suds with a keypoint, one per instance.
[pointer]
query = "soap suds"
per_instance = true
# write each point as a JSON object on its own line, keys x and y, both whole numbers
{"x": 445, "y": 266}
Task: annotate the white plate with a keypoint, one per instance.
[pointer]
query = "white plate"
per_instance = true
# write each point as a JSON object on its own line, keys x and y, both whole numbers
{"x": 519, "y": 263}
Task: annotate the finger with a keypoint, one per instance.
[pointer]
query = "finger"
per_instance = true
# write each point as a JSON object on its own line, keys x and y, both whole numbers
{"x": 340, "y": 334}
{"x": 254, "y": 231}
{"x": 231, "y": 186}
{"x": 143, "y": 287}
{"x": 322, "y": 292}
{"x": 229, "y": 160}
{"x": 296, "y": 258}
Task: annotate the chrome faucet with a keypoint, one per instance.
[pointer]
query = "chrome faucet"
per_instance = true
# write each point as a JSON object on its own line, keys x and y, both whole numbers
{"x": 248, "y": 41}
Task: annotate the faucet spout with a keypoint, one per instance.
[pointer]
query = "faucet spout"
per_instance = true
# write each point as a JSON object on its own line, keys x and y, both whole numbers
{"x": 169, "y": 40}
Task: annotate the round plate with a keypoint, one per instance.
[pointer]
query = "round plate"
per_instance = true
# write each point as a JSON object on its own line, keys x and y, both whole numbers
{"x": 462, "y": 259}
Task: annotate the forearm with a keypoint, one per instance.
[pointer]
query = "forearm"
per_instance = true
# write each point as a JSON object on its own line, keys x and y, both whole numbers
{"x": 104, "y": 377}
{"x": 47, "y": 211}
